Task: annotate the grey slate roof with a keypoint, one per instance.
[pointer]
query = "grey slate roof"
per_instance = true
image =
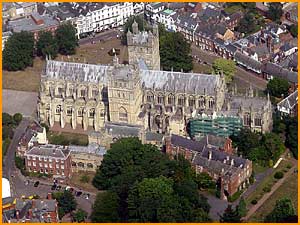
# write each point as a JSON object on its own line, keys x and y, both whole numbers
{"x": 177, "y": 140}
{"x": 54, "y": 151}
{"x": 122, "y": 130}
{"x": 180, "y": 82}
{"x": 278, "y": 71}
{"x": 151, "y": 136}
{"x": 91, "y": 149}
{"x": 239, "y": 56}
{"x": 247, "y": 102}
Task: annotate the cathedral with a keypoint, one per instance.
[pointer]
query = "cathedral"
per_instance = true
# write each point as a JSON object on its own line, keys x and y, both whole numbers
{"x": 88, "y": 96}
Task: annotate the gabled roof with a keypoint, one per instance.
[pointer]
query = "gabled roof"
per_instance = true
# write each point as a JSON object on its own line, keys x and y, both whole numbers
{"x": 239, "y": 56}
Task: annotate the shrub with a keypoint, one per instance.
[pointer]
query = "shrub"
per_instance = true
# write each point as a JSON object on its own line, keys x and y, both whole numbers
{"x": 278, "y": 175}
{"x": 235, "y": 196}
{"x": 267, "y": 189}
{"x": 289, "y": 166}
{"x": 17, "y": 118}
{"x": 254, "y": 202}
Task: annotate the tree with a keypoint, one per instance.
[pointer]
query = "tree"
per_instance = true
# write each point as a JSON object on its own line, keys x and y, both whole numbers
{"x": 175, "y": 52}
{"x": 18, "y": 51}
{"x": 66, "y": 39}
{"x": 105, "y": 208}
{"x": 17, "y": 117}
{"x": 247, "y": 24}
{"x": 205, "y": 181}
{"x": 242, "y": 207}
{"x": 79, "y": 216}
{"x": 278, "y": 87}
{"x": 153, "y": 200}
{"x": 282, "y": 211}
{"x": 7, "y": 119}
{"x": 293, "y": 30}
{"x": 46, "y": 45}
{"x": 230, "y": 216}
{"x": 66, "y": 201}
{"x": 225, "y": 66}
{"x": 292, "y": 134}
{"x": 275, "y": 11}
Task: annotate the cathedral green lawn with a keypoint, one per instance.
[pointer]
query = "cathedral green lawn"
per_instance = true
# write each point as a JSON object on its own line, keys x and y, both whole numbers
{"x": 64, "y": 138}
{"x": 287, "y": 189}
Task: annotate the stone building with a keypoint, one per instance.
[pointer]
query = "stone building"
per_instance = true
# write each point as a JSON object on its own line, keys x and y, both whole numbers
{"x": 140, "y": 94}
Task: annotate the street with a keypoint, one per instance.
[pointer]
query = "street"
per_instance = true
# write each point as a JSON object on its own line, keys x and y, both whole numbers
{"x": 103, "y": 36}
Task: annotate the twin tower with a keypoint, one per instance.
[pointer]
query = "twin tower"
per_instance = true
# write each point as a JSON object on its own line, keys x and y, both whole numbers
{"x": 143, "y": 45}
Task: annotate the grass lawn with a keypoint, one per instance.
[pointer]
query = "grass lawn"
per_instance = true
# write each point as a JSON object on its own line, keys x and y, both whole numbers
{"x": 267, "y": 182}
{"x": 75, "y": 181}
{"x": 258, "y": 168}
{"x": 29, "y": 79}
{"x": 64, "y": 138}
{"x": 287, "y": 190}
{"x": 201, "y": 68}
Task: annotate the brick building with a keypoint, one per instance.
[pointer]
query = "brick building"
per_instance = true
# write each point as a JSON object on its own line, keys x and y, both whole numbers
{"x": 233, "y": 171}
{"x": 49, "y": 159}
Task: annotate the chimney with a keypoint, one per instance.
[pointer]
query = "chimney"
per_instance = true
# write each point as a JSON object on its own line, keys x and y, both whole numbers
{"x": 232, "y": 162}
{"x": 209, "y": 155}
{"x": 49, "y": 196}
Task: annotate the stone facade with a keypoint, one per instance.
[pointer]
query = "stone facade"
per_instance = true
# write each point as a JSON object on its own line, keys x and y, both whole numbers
{"x": 139, "y": 94}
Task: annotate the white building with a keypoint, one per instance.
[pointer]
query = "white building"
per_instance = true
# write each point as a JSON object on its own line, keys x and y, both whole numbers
{"x": 6, "y": 193}
{"x": 167, "y": 18}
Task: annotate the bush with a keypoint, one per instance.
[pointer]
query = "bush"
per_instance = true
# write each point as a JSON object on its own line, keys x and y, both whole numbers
{"x": 278, "y": 175}
{"x": 235, "y": 196}
{"x": 17, "y": 118}
{"x": 254, "y": 202}
{"x": 289, "y": 166}
{"x": 267, "y": 189}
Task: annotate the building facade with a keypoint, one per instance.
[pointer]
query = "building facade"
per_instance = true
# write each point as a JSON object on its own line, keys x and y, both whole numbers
{"x": 88, "y": 96}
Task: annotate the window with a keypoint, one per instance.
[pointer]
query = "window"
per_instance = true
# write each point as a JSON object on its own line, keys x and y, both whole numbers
{"x": 150, "y": 97}
{"x": 74, "y": 164}
{"x": 57, "y": 166}
{"x": 33, "y": 163}
{"x": 71, "y": 91}
{"x": 211, "y": 103}
{"x": 69, "y": 111}
{"x": 80, "y": 112}
{"x": 92, "y": 113}
{"x": 62, "y": 166}
{"x": 102, "y": 113}
{"x": 171, "y": 99}
{"x": 50, "y": 160}
{"x": 40, "y": 164}
{"x": 29, "y": 163}
{"x": 181, "y": 101}
{"x": 46, "y": 165}
{"x": 90, "y": 165}
{"x": 257, "y": 122}
{"x": 160, "y": 99}
{"x": 94, "y": 93}
{"x": 191, "y": 101}
{"x": 60, "y": 90}
{"x": 123, "y": 116}
{"x": 58, "y": 109}
{"x": 202, "y": 102}
{"x": 50, "y": 165}
{"x": 247, "y": 119}
{"x": 80, "y": 164}
{"x": 82, "y": 93}
{"x": 41, "y": 170}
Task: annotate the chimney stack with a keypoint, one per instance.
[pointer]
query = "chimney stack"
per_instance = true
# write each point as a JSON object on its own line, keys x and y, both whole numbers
{"x": 209, "y": 155}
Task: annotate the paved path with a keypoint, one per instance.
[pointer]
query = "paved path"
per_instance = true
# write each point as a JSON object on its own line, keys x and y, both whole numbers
{"x": 103, "y": 36}
{"x": 267, "y": 195}
{"x": 19, "y": 101}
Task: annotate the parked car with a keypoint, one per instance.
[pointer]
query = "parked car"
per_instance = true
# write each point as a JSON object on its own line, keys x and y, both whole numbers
{"x": 58, "y": 187}
{"x": 78, "y": 193}
{"x": 36, "y": 184}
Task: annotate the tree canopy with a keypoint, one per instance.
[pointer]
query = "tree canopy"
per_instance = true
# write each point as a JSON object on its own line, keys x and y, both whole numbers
{"x": 230, "y": 215}
{"x": 66, "y": 39}
{"x": 225, "y": 66}
{"x": 275, "y": 11}
{"x": 175, "y": 51}
{"x": 66, "y": 202}
{"x": 79, "y": 216}
{"x": 18, "y": 51}
{"x": 130, "y": 168}
{"x": 282, "y": 211}
{"x": 46, "y": 45}
{"x": 278, "y": 87}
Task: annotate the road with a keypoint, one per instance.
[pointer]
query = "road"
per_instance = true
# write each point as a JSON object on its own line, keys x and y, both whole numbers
{"x": 17, "y": 180}
{"x": 242, "y": 75}
{"x": 103, "y": 36}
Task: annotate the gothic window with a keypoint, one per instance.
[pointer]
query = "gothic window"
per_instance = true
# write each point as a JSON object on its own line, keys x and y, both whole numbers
{"x": 80, "y": 112}
{"x": 211, "y": 103}
{"x": 90, "y": 165}
{"x": 202, "y": 102}
{"x": 60, "y": 90}
{"x": 74, "y": 164}
{"x": 257, "y": 122}
{"x": 102, "y": 113}
{"x": 181, "y": 100}
{"x": 69, "y": 111}
{"x": 82, "y": 93}
{"x": 160, "y": 99}
{"x": 247, "y": 119}
{"x": 80, "y": 164}
{"x": 171, "y": 99}
{"x": 71, "y": 91}
{"x": 48, "y": 107}
{"x": 58, "y": 109}
{"x": 94, "y": 93}
{"x": 123, "y": 116}
{"x": 150, "y": 97}
{"x": 191, "y": 101}
{"x": 92, "y": 113}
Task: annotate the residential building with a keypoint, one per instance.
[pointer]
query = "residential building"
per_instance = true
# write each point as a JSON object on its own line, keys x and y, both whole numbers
{"x": 49, "y": 159}
{"x": 5, "y": 36}
{"x": 34, "y": 23}
{"x": 230, "y": 171}
{"x": 32, "y": 211}
{"x": 289, "y": 104}
{"x": 15, "y": 10}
